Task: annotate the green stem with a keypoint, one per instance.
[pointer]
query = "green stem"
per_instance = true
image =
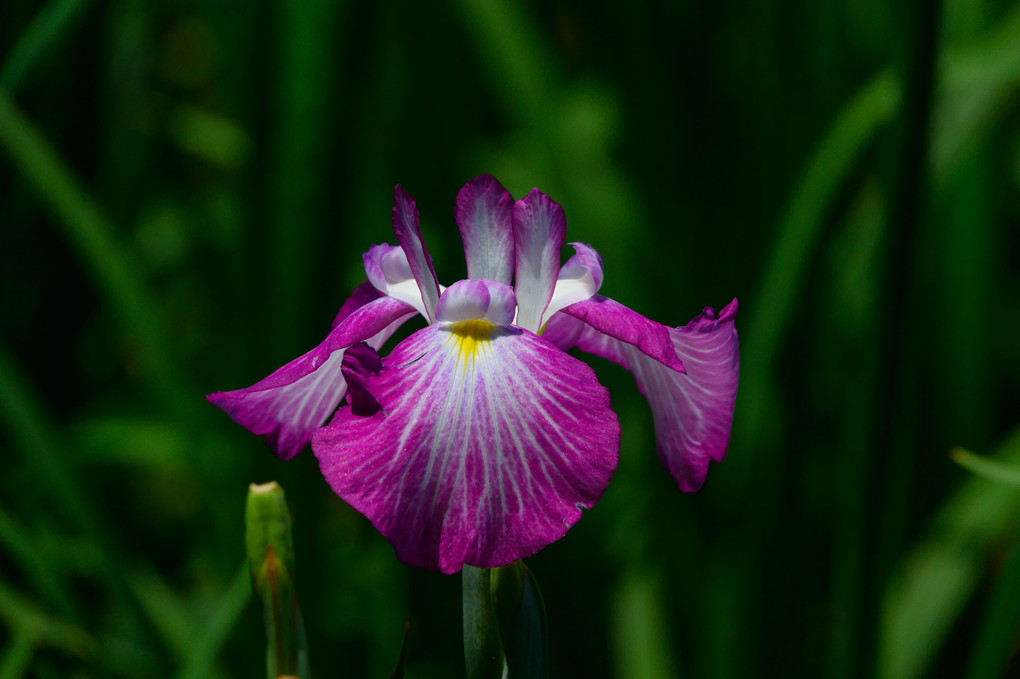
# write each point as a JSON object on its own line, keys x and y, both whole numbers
{"x": 483, "y": 654}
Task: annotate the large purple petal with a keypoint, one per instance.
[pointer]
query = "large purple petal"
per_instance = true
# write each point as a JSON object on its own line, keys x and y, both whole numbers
{"x": 289, "y": 404}
{"x": 693, "y": 411}
{"x": 408, "y": 232}
{"x": 617, "y": 321}
{"x": 475, "y": 443}
{"x": 484, "y": 214}
{"x": 539, "y": 231}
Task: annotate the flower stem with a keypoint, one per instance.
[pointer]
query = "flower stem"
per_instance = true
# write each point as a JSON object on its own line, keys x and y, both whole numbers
{"x": 483, "y": 653}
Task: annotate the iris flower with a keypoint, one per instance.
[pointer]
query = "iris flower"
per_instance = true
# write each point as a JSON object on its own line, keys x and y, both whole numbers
{"x": 479, "y": 440}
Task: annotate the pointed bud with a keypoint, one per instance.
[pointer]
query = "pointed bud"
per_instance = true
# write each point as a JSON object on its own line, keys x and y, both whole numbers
{"x": 271, "y": 563}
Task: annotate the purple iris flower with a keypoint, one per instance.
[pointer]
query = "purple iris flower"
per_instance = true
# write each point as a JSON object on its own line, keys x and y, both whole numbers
{"x": 479, "y": 440}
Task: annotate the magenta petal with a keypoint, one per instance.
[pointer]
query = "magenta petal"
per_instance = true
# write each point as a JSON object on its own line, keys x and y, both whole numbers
{"x": 693, "y": 411}
{"x": 617, "y": 321}
{"x": 359, "y": 297}
{"x": 539, "y": 231}
{"x": 289, "y": 404}
{"x": 484, "y": 214}
{"x": 408, "y": 232}
{"x": 485, "y": 445}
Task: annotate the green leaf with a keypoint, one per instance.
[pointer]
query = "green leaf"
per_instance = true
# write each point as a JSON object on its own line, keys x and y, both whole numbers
{"x": 215, "y": 631}
{"x": 997, "y": 634}
{"x": 483, "y": 655}
{"x": 993, "y": 470}
{"x": 520, "y": 612}
{"x": 402, "y": 658}
{"x": 942, "y": 573}
{"x": 49, "y": 24}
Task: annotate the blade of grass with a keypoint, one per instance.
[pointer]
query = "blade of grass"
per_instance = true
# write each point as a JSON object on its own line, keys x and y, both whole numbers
{"x": 976, "y": 81}
{"x": 306, "y": 36}
{"x": 771, "y": 318}
{"x": 49, "y": 24}
{"x": 33, "y": 430}
{"x": 941, "y": 574}
{"x": 851, "y": 341}
{"x": 212, "y": 634}
{"x": 520, "y": 61}
{"x": 167, "y": 611}
{"x": 88, "y": 229}
{"x": 901, "y": 306}
{"x": 641, "y": 639}
{"x": 996, "y": 640}
{"x": 987, "y": 468}
{"x": 17, "y": 658}
{"x": 38, "y": 568}
{"x": 26, "y": 617}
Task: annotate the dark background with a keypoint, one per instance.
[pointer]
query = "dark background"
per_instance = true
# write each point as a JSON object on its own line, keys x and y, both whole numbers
{"x": 186, "y": 189}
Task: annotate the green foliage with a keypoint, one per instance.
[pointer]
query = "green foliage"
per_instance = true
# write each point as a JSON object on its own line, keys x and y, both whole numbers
{"x": 185, "y": 193}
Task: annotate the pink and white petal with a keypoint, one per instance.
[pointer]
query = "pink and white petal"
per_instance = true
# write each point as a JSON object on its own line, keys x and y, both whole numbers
{"x": 408, "y": 232}
{"x": 476, "y": 444}
{"x": 289, "y": 404}
{"x": 539, "y": 231}
{"x": 578, "y": 280}
{"x": 484, "y": 214}
{"x": 484, "y": 299}
{"x": 692, "y": 412}
{"x": 617, "y": 321}
{"x": 389, "y": 271}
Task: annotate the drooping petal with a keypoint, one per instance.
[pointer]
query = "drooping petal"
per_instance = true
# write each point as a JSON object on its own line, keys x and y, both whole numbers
{"x": 389, "y": 271}
{"x": 539, "y": 231}
{"x": 617, "y": 321}
{"x": 359, "y": 297}
{"x": 693, "y": 411}
{"x": 408, "y": 232}
{"x": 488, "y": 300}
{"x": 289, "y": 404}
{"x": 578, "y": 280}
{"x": 484, "y": 214}
{"x": 476, "y": 443}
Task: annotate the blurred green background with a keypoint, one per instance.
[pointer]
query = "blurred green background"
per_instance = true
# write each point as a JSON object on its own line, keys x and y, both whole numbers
{"x": 186, "y": 189}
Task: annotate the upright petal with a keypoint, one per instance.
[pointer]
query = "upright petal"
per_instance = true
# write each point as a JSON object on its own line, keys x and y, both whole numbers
{"x": 408, "y": 232}
{"x": 289, "y": 404}
{"x": 389, "y": 271}
{"x": 484, "y": 214}
{"x": 483, "y": 299}
{"x": 476, "y": 443}
{"x": 578, "y": 280}
{"x": 692, "y": 411}
{"x": 539, "y": 231}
